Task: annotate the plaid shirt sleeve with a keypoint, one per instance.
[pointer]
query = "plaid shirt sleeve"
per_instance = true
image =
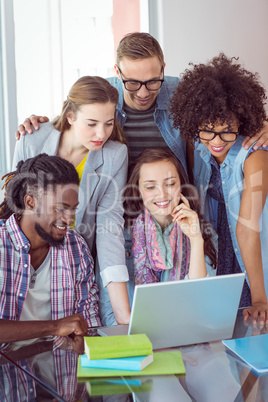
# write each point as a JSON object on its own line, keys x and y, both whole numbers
{"x": 73, "y": 288}
{"x": 85, "y": 289}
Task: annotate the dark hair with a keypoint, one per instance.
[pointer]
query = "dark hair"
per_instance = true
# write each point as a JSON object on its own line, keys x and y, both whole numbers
{"x": 216, "y": 93}
{"x": 85, "y": 91}
{"x": 139, "y": 45}
{"x": 133, "y": 204}
{"x": 36, "y": 173}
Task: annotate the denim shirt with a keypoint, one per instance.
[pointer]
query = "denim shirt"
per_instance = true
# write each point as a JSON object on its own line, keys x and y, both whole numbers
{"x": 161, "y": 115}
{"x": 232, "y": 175}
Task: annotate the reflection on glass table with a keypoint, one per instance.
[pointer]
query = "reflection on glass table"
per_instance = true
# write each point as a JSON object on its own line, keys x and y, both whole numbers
{"x": 36, "y": 372}
{"x": 46, "y": 371}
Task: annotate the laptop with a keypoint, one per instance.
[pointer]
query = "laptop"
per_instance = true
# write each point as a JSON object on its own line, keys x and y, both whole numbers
{"x": 184, "y": 312}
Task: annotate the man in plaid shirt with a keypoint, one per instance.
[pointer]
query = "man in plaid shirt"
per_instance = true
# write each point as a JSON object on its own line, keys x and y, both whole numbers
{"x": 46, "y": 270}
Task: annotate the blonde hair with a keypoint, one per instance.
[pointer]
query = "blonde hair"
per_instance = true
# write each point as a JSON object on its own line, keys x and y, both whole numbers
{"x": 139, "y": 45}
{"x": 88, "y": 90}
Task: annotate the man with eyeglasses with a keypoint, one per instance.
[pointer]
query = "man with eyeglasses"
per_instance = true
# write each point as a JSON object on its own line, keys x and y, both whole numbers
{"x": 144, "y": 92}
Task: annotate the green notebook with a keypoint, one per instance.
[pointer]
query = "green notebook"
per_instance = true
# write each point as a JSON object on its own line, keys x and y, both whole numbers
{"x": 109, "y": 347}
{"x": 164, "y": 363}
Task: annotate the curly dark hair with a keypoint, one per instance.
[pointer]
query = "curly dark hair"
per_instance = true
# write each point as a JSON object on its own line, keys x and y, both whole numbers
{"x": 218, "y": 92}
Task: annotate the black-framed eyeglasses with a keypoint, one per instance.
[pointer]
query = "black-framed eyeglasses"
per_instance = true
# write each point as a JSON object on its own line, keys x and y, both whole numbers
{"x": 224, "y": 136}
{"x": 135, "y": 85}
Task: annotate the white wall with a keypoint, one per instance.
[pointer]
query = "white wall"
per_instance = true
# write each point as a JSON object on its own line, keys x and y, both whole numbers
{"x": 197, "y": 30}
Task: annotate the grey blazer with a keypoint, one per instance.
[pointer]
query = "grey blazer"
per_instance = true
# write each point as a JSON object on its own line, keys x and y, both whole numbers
{"x": 99, "y": 218}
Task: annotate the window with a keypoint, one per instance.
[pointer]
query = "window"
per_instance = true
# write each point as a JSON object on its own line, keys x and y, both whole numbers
{"x": 8, "y": 105}
{"x": 58, "y": 41}
{"x": 46, "y": 45}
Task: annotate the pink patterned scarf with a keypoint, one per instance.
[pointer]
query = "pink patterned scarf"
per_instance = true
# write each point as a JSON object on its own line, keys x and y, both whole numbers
{"x": 148, "y": 261}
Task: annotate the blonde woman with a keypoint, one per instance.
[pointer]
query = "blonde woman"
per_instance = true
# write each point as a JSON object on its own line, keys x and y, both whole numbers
{"x": 87, "y": 135}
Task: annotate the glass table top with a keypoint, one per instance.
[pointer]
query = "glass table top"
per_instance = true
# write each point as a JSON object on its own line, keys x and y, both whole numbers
{"x": 45, "y": 370}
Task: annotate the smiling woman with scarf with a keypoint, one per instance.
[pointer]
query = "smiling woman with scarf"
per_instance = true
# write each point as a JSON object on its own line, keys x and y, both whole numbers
{"x": 170, "y": 241}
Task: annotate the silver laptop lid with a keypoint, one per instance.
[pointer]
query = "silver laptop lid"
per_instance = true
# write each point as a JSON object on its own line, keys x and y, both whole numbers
{"x": 188, "y": 311}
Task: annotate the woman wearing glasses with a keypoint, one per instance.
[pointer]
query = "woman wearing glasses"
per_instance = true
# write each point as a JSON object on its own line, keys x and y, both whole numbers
{"x": 216, "y": 106}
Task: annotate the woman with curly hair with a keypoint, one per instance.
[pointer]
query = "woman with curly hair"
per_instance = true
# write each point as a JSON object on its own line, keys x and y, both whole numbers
{"x": 216, "y": 105}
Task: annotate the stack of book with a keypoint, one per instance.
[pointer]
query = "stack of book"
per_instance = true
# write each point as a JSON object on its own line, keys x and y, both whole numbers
{"x": 126, "y": 355}
{"x": 123, "y": 352}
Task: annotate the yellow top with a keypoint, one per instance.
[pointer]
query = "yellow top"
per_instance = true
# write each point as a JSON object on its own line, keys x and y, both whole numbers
{"x": 79, "y": 169}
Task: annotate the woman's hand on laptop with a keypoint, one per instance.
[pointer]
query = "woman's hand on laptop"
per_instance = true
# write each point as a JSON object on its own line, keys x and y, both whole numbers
{"x": 257, "y": 310}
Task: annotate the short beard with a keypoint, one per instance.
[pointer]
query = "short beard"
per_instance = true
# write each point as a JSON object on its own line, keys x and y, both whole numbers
{"x": 48, "y": 237}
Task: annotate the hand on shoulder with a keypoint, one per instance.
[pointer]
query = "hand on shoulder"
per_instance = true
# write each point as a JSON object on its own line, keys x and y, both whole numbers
{"x": 26, "y": 127}
{"x": 261, "y": 138}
